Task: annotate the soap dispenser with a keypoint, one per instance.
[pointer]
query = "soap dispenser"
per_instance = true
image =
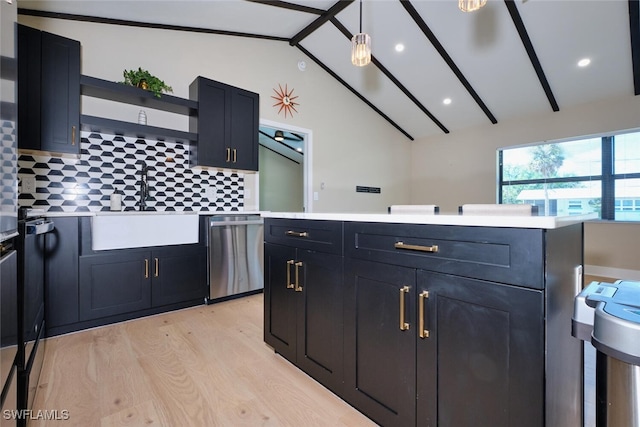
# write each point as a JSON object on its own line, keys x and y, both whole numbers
{"x": 115, "y": 201}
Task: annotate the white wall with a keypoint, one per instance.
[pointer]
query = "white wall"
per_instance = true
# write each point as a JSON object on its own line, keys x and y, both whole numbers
{"x": 352, "y": 144}
{"x": 460, "y": 167}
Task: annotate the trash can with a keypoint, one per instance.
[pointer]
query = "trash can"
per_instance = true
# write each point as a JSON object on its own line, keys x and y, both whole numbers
{"x": 613, "y": 309}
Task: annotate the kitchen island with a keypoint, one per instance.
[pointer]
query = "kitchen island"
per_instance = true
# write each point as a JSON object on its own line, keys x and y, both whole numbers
{"x": 431, "y": 320}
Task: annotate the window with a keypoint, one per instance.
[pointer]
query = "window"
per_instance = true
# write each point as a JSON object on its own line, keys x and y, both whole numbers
{"x": 575, "y": 177}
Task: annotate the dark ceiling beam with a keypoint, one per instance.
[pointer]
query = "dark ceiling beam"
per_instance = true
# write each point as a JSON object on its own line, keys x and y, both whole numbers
{"x": 333, "y": 11}
{"x": 124, "y": 22}
{"x": 634, "y": 27}
{"x": 99, "y": 20}
{"x": 528, "y": 46}
{"x": 391, "y": 77}
{"x": 290, "y": 6}
{"x": 443, "y": 53}
{"x": 355, "y": 92}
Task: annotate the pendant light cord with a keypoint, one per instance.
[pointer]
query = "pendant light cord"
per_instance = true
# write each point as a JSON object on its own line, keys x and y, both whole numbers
{"x": 361, "y": 16}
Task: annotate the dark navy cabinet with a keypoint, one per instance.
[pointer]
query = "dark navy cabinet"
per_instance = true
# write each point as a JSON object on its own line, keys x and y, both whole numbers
{"x": 114, "y": 283}
{"x": 48, "y": 91}
{"x": 130, "y": 280}
{"x": 179, "y": 274}
{"x": 227, "y": 125}
{"x": 61, "y": 273}
{"x": 442, "y": 325}
{"x": 29, "y": 93}
{"x": 480, "y": 356}
{"x": 473, "y": 322}
{"x": 86, "y": 288}
{"x": 380, "y": 358}
{"x": 303, "y": 300}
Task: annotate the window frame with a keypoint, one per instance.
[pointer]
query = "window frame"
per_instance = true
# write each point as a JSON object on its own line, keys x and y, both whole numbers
{"x": 607, "y": 177}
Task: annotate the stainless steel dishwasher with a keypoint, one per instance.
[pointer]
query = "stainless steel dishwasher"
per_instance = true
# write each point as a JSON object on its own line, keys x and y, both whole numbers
{"x": 235, "y": 256}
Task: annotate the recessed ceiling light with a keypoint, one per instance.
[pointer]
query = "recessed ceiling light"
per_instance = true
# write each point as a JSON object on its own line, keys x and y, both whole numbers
{"x": 399, "y": 47}
{"x": 446, "y": 101}
{"x": 584, "y": 62}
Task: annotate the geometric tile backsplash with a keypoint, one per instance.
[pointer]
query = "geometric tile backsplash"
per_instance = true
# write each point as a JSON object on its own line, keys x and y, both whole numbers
{"x": 109, "y": 162}
{"x": 8, "y": 170}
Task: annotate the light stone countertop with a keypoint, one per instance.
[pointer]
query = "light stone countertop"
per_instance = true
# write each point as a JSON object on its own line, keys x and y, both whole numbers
{"x": 37, "y": 212}
{"x": 545, "y": 222}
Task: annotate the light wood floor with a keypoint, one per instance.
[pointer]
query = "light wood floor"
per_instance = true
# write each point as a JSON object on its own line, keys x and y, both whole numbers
{"x": 202, "y": 366}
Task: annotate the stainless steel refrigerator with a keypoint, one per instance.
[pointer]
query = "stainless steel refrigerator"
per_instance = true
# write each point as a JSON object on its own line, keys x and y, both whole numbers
{"x": 8, "y": 202}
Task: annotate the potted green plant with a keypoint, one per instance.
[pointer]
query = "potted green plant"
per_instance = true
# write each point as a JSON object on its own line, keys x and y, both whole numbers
{"x": 145, "y": 80}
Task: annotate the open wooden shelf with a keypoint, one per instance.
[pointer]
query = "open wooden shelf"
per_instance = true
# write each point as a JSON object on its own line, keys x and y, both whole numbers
{"x": 104, "y": 89}
{"x": 117, "y": 127}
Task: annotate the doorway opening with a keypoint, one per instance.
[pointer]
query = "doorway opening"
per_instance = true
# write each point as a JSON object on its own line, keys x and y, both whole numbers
{"x": 285, "y": 168}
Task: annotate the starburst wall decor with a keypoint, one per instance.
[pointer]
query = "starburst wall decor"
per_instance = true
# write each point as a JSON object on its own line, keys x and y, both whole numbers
{"x": 285, "y": 100}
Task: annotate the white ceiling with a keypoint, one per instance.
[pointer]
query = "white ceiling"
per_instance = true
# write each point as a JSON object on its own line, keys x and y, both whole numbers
{"x": 484, "y": 46}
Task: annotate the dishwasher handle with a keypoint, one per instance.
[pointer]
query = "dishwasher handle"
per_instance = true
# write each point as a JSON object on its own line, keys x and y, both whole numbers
{"x": 244, "y": 222}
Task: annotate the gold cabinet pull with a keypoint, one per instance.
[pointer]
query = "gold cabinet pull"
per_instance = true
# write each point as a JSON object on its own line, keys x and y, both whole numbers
{"x": 298, "y": 288}
{"x": 228, "y": 155}
{"x": 402, "y": 245}
{"x": 424, "y": 333}
{"x": 73, "y": 135}
{"x": 157, "y": 263}
{"x": 297, "y": 233}
{"x": 146, "y": 268}
{"x": 403, "y": 291}
{"x": 235, "y": 155}
{"x": 289, "y": 284}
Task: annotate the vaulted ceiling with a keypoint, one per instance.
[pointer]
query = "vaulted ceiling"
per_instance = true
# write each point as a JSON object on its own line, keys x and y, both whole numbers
{"x": 509, "y": 59}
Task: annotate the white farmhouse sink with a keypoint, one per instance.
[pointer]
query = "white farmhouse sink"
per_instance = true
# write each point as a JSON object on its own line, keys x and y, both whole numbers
{"x": 134, "y": 229}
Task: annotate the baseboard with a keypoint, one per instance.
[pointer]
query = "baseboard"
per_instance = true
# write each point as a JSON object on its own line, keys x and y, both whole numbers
{"x": 616, "y": 273}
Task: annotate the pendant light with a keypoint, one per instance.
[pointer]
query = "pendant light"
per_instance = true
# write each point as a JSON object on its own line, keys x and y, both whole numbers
{"x": 361, "y": 46}
{"x": 471, "y": 5}
{"x": 279, "y": 136}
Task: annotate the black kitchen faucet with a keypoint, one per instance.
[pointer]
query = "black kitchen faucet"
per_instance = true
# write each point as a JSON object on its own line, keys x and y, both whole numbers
{"x": 144, "y": 186}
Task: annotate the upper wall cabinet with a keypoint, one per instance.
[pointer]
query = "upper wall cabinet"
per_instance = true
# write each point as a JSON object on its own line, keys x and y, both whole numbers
{"x": 226, "y": 124}
{"x": 48, "y": 91}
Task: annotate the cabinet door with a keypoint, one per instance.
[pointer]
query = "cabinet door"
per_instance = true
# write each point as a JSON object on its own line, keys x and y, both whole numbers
{"x": 212, "y": 123}
{"x": 29, "y": 65}
{"x": 60, "y": 103}
{"x": 380, "y": 358}
{"x": 31, "y": 291}
{"x": 61, "y": 273}
{"x": 114, "y": 284}
{"x": 279, "y": 300}
{"x": 482, "y": 362}
{"x": 244, "y": 118}
{"x": 179, "y": 274}
{"x": 8, "y": 311}
{"x": 319, "y": 317}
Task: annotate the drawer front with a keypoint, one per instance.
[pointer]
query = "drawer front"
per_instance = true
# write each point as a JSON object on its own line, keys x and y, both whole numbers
{"x": 505, "y": 255}
{"x": 321, "y": 236}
